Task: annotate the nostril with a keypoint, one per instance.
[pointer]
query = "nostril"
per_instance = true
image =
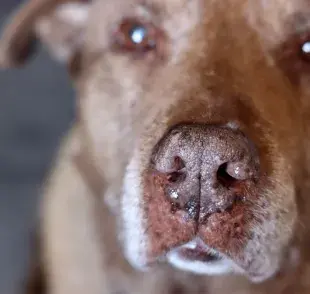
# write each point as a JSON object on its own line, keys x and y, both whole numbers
{"x": 240, "y": 170}
{"x": 175, "y": 177}
{"x": 237, "y": 188}
{"x": 224, "y": 178}
{"x": 178, "y": 163}
{"x": 173, "y": 170}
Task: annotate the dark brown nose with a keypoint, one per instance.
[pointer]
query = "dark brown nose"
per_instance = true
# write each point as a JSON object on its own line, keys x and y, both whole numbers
{"x": 205, "y": 167}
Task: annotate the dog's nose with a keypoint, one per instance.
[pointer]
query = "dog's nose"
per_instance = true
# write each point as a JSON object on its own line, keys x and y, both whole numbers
{"x": 206, "y": 168}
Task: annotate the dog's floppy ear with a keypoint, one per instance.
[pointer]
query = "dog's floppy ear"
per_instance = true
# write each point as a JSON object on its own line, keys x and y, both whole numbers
{"x": 58, "y": 24}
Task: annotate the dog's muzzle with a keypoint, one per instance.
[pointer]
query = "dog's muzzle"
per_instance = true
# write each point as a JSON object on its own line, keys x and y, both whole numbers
{"x": 199, "y": 190}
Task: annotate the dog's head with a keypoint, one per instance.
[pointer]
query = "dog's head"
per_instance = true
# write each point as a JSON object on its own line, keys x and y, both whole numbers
{"x": 205, "y": 103}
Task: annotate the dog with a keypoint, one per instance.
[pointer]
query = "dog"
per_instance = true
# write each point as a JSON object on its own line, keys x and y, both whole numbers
{"x": 187, "y": 167}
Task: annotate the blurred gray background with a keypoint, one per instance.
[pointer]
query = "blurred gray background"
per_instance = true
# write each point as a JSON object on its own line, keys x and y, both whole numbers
{"x": 36, "y": 107}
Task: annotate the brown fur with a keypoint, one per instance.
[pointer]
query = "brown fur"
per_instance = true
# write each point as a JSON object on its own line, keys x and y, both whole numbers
{"x": 218, "y": 62}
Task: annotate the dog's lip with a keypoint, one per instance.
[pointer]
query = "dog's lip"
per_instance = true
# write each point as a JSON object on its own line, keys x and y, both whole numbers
{"x": 196, "y": 257}
{"x": 198, "y": 251}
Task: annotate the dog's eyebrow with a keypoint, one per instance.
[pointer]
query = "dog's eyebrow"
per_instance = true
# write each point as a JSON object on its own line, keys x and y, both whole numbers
{"x": 299, "y": 21}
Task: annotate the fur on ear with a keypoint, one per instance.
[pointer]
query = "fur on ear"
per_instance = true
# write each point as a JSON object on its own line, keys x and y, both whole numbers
{"x": 36, "y": 20}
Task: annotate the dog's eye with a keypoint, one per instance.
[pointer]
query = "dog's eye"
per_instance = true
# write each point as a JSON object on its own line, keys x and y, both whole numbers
{"x": 305, "y": 51}
{"x": 293, "y": 56}
{"x": 133, "y": 35}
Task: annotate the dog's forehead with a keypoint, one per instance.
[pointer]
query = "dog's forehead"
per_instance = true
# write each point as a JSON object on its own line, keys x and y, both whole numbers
{"x": 275, "y": 20}
{"x": 272, "y": 20}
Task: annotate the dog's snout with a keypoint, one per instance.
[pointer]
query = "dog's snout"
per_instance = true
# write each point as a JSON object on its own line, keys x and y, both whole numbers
{"x": 207, "y": 168}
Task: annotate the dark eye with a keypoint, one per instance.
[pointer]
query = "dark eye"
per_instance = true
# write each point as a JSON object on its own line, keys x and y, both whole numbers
{"x": 293, "y": 56}
{"x": 133, "y": 35}
{"x": 305, "y": 50}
